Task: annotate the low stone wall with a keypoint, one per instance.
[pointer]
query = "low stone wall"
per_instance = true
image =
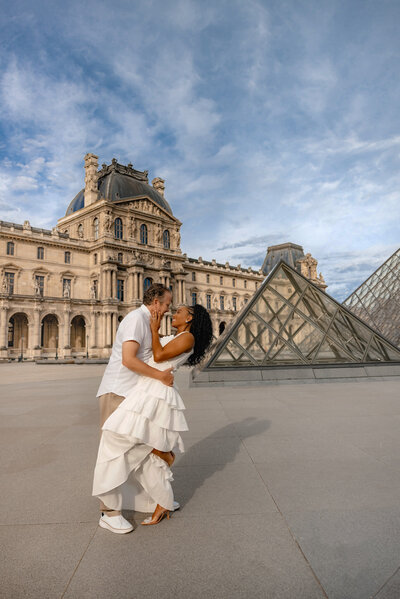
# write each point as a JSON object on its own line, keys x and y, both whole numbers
{"x": 286, "y": 374}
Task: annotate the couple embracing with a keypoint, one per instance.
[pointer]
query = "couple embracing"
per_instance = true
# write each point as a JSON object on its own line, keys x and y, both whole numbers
{"x": 141, "y": 411}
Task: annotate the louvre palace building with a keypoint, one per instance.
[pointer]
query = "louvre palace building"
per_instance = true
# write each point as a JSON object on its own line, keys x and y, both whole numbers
{"x": 64, "y": 291}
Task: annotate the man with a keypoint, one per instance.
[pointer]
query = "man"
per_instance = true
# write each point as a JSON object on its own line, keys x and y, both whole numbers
{"x": 130, "y": 353}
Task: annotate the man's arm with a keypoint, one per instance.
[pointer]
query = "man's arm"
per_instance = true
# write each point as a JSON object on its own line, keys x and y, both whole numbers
{"x": 131, "y": 361}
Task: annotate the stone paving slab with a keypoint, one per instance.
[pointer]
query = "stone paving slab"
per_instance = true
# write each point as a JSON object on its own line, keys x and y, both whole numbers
{"x": 197, "y": 556}
{"x": 352, "y": 551}
{"x": 37, "y": 562}
{"x": 287, "y": 491}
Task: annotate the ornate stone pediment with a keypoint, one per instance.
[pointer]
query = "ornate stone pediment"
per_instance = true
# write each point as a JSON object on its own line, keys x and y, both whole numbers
{"x": 146, "y": 205}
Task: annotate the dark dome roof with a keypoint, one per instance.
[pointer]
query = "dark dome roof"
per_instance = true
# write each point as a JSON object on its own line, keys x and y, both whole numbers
{"x": 117, "y": 182}
{"x": 77, "y": 203}
{"x": 289, "y": 252}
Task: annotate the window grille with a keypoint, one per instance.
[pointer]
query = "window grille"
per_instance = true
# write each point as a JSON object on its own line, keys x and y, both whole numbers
{"x": 10, "y": 282}
{"x": 143, "y": 234}
{"x": 120, "y": 289}
{"x": 166, "y": 240}
{"x": 118, "y": 228}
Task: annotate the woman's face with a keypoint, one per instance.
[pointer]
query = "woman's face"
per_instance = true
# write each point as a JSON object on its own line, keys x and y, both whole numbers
{"x": 181, "y": 316}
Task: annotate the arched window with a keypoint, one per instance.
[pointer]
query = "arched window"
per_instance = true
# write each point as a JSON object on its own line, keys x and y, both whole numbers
{"x": 40, "y": 253}
{"x": 80, "y": 231}
{"x": 10, "y": 248}
{"x": 143, "y": 234}
{"x": 166, "y": 241}
{"x": 118, "y": 228}
{"x": 120, "y": 257}
{"x": 96, "y": 228}
{"x": 67, "y": 257}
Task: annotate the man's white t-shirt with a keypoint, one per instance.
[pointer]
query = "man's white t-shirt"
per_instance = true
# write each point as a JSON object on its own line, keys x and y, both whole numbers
{"x": 134, "y": 327}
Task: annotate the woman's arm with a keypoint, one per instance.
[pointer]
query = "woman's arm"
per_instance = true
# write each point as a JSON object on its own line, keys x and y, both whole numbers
{"x": 174, "y": 348}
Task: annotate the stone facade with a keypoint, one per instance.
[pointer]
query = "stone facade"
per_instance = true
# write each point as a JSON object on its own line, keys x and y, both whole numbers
{"x": 64, "y": 291}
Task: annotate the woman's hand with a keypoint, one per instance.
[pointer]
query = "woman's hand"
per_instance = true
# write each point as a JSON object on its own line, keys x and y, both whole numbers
{"x": 155, "y": 320}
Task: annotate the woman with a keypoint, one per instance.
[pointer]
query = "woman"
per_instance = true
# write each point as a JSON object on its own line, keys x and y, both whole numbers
{"x": 138, "y": 439}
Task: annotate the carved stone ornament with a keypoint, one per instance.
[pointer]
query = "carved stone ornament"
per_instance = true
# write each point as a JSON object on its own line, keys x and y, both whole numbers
{"x": 132, "y": 227}
{"x": 107, "y": 221}
{"x": 67, "y": 291}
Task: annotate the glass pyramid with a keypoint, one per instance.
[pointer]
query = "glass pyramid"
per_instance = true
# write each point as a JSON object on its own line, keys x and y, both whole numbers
{"x": 377, "y": 300}
{"x": 289, "y": 321}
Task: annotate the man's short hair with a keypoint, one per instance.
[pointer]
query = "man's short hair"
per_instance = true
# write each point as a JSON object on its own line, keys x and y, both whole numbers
{"x": 155, "y": 291}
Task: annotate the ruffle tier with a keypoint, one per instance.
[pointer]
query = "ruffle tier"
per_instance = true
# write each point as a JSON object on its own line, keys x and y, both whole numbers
{"x": 146, "y": 387}
{"x": 123, "y": 420}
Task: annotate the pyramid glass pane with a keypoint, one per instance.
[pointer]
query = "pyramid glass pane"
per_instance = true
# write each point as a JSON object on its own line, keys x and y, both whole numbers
{"x": 289, "y": 321}
{"x": 377, "y": 300}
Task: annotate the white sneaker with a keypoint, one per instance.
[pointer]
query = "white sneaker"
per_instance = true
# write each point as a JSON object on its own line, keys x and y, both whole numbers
{"x": 176, "y": 506}
{"x": 116, "y": 524}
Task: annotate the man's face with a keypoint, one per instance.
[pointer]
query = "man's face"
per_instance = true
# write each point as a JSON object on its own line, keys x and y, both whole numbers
{"x": 163, "y": 303}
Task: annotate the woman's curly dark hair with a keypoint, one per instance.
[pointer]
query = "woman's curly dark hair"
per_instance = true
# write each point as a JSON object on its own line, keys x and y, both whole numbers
{"x": 201, "y": 329}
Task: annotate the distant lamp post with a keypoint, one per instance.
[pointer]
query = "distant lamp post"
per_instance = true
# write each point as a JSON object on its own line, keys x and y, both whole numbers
{"x": 87, "y": 346}
{"x": 56, "y": 347}
{"x": 21, "y": 357}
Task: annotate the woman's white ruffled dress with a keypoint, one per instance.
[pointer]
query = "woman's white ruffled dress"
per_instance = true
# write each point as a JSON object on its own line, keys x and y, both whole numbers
{"x": 127, "y": 475}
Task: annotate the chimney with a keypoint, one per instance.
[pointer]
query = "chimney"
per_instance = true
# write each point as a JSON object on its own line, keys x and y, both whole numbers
{"x": 158, "y": 185}
{"x": 91, "y": 176}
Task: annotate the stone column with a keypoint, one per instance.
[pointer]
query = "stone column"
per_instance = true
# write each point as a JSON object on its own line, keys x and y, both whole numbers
{"x": 104, "y": 323}
{"x": 4, "y": 331}
{"x": 108, "y": 329}
{"x": 36, "y": 329}
{"x": 140, "y": 285}
{"x": 3, "y": 328}
{"x": 114, "y": 318}
{"x": 134, "y": 285}
{"x": 102, "y": 290}
{"x": 113, "y": 284}
{"x": 92, "y": 330}
{"x": 67, "y": 334}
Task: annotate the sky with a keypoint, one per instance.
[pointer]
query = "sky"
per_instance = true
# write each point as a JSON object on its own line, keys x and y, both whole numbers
{"x": 270, "y": 120}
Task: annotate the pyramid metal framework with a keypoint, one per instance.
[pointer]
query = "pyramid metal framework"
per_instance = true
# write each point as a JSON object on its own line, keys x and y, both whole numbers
{"x": 289, "y": 321}
{"x": 377, "y": 300}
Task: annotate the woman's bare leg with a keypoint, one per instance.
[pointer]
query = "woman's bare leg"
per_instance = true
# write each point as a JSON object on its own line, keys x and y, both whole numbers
{"x": 167, "y": 456}
{"x": 157, "y": 516}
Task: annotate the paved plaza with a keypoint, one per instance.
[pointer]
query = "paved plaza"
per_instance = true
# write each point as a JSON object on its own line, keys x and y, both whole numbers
{"x": 287, "y": 491}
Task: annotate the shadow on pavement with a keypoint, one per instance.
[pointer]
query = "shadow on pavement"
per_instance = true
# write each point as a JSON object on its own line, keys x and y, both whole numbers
{"x": 231, "y": 436}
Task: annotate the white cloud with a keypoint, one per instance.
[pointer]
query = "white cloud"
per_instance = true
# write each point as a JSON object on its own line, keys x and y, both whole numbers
{"x": 263, "y": 127}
